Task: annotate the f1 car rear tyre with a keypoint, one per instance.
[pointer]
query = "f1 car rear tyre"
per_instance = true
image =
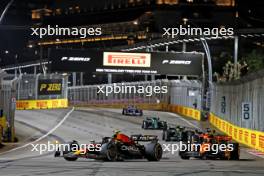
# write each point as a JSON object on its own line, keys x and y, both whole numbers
{"x": 183, "y": 156}
{"x": 71, "y": 158}
{"x": 235, "y": 153}
{"x": 109, "y": 150}
{"x": 153, "y": 151}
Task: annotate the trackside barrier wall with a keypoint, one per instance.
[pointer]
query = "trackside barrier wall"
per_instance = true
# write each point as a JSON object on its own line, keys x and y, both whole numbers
{"x": 28, "y": 96}
{"x": 184, "y": 97}
{"x": 238, "y": 109}
{"x": 7, "y": 105}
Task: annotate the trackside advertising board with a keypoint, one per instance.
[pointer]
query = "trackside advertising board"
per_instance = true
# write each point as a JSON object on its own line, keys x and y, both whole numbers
{"x": 68, "y": 60}
{"x": 176, "y": 63}
{"x": 50, "y": 87}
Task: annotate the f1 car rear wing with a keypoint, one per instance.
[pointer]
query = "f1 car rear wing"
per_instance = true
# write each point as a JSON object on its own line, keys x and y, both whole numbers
{"x": 144, "y": 138}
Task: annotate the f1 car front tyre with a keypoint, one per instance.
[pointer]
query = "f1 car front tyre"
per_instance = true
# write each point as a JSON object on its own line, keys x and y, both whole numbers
{"x": 69, "y": 150}
{"x": 153, "y": 152}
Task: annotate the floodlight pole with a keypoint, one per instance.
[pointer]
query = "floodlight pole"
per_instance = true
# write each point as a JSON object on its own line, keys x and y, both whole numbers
{"x": 210, "y": 72}
{"x": 5, "y": 11}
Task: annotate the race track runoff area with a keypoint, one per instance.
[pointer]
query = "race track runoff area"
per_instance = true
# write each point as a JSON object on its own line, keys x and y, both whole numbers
{"x": 87, "y": 124}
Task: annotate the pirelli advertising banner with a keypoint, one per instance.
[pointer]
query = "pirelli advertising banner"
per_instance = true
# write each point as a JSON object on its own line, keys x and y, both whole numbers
{"x": 50, "y": 87}
{"x": 172, "y": 63}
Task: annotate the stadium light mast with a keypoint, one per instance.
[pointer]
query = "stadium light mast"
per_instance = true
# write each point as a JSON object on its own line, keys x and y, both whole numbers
{"x": 5, "y": 11}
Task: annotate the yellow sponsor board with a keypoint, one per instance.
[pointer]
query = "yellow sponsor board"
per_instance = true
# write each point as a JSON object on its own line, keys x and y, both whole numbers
{"x": 186, "y": 111}
{"x": 41, "y": 104}
{"x": 251, "y": 138}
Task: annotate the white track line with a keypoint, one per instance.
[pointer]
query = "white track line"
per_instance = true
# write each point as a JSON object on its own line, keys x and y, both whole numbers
{"x": 44, "y": 136}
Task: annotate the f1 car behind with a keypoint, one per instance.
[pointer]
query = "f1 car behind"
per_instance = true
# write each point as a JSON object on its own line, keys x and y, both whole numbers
{"x": 132, "y": 110}
{"x": 177, "y": 133}
{"x": 154, "y": 123}
{"x": 202, "y": 147}
{"x": 117, "y": 148}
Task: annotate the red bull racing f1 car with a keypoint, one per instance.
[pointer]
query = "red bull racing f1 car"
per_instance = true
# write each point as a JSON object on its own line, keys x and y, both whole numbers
{"x": 116, "y": 148}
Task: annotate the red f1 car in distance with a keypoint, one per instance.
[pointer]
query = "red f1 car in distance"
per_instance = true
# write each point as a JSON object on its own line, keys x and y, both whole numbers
{"x": 117, "y": 148}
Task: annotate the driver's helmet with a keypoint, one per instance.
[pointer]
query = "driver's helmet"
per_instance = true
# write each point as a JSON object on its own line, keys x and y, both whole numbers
{"x": 116, "y": 132}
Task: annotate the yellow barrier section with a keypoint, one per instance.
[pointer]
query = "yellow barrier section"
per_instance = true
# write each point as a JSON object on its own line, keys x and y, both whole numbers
{"x": 41, "y": 104}
{"x": 3, "y": 127}
{"x": 185, "y": 111}
{"x": 251, "y": 138}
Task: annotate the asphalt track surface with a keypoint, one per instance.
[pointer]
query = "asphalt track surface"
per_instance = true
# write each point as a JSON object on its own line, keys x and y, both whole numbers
{"x": 89, "y": 124}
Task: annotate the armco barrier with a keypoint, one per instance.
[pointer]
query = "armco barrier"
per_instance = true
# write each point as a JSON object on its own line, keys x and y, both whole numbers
{"x": 251, "y": 138}
{"x": 41, "y": 104}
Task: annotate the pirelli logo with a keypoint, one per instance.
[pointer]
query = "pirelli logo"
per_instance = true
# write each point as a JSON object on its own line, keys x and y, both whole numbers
{"x": 119, "y": 59}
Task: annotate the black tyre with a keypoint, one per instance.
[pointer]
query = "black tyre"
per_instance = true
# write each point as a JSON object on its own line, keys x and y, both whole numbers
{"x": 70, "y": 158}
{"x": 153, "y": 151}
{"x": 109, "y": 150}
{"x": 183, "y": 156}
{"x": 235, "y": 154}
{"x": 72, "y": 146}
{"x": 69, "y": 150}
